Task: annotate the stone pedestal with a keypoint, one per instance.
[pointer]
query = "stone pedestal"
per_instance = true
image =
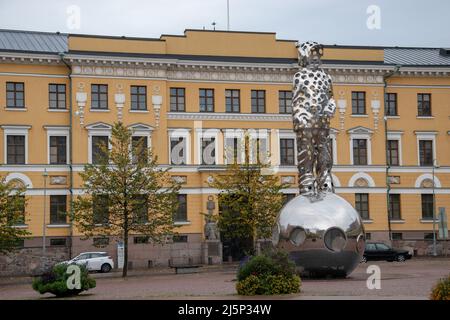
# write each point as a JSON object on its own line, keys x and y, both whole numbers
{"x": 212, "y": 252}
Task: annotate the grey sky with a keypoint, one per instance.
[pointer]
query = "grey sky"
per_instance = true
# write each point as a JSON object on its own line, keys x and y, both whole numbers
{"x": 422, "y": 23}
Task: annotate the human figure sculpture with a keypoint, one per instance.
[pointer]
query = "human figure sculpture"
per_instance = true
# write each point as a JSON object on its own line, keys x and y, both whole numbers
{"x": 312, "y": 108}
{"x": 211, "y": 230}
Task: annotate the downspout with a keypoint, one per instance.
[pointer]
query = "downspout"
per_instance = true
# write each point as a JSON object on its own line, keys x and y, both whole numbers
{"x": 388, "y": 184}
{"x": 61, "y": 55}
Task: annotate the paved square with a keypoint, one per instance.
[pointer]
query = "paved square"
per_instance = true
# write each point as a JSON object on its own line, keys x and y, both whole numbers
{"x": 409, "y": 280}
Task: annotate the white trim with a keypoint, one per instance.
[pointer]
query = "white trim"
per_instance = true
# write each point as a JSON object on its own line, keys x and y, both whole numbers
{"x": 366, "y": 137}
{"x": 397, "y": 135}
{"x": 55, "y": 131}
{"x": 418, "y": 86}
{"x": 429, "y": 176}
{"x": 138, "y": 111}
{"x": 14, "y": 130}
{"x": 180, "y": 133}
{"x": 23, "y": 109}
{"x": 365, "y": 176}
{"x": 336, "y": 181}
{"x": 19, "y": 176}
{"x": 97, "y": 129}
{"x": 429, "y": 136}
{"x": 57, "y": 110}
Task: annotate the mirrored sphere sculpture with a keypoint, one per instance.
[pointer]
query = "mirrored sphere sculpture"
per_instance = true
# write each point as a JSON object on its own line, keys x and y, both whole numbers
{"x": 323, "y": 233}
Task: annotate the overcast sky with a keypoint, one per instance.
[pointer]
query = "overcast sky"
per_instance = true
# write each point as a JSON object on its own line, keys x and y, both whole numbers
{"x": 389, "y": 22}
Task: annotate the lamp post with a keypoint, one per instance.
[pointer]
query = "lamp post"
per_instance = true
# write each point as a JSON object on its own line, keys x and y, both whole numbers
{"x": 435, "y": 165}
{"x": 45, "y": 175}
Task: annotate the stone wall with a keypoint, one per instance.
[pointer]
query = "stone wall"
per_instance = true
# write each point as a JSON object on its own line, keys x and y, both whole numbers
{"x": 423, "y": 247}
{"x": 31, "y": 261}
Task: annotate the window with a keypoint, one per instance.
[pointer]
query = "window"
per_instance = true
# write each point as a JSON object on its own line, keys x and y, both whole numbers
{"x": 181, "y": 214}
{"x": 258, "y": 101}
{"x": 288, "y": 197}
{"x": 58, "y": 150}
{"x": 429, "y": 236}
{"x": 139, "y": 146}
{"x": 58, "y": 209}
{"x": 15, "y": 149}
{"x": 397, "y": 236}
{"x": 99, "y": 154}
{"x": 18, "y": 217}
{"x": 424, "y": 105}
{"x": 99, "y": 96}
{"x": 15, "y": 95}
{"x": 100, "y": 242}
{"x": 208, "y": 151}
{"x": 206, "y": 100}
{"x": 232, "y": 101}
{"x": 393, "y": 155}
{"x": 358, "y": 102}
{"x": 391, "y": 104}
{"x": 427, "y": 206}
{"x": 140, "y": 209}
{"x": 362, "y": 205}
{"x": 57, "y": 96}
{"x": 140, "y": 239}
{"x": 138, "y": 98}
{"x": 58, "y": 242}
{"x": 178, "y": 150}
{"x": 359, "y": 151}
{"x": 368, "y": 236}
{"x": 100, "y": 209}
{"x": 426, "y": 152}
{"x": 180, "y": 238}
{"x": 394, "y": 207}
{"x": 287, "y": 154}
{"x": 285, "y": 101}
{"x": 177, "y": 99}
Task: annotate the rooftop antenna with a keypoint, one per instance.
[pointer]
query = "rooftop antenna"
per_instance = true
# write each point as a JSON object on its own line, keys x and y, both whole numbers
{"x": 214, "y": 25}
{"x": 228, "y": 15}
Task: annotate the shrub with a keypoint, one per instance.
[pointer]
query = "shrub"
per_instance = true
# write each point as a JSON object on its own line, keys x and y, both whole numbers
{"x": 441, "y": 290}
{"x": 267, "y": 274}
{"x": 55, "y": 281}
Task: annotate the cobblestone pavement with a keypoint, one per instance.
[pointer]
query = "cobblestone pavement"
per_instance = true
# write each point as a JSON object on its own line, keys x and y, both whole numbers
{"x": 410, "y": 280}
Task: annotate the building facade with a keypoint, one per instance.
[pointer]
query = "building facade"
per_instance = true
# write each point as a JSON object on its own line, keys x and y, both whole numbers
{"x": 193, "y": 98}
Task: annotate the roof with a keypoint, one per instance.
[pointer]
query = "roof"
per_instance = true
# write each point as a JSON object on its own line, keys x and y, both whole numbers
{"x": 31, "y": 41}
{"x": 415, "y": 57}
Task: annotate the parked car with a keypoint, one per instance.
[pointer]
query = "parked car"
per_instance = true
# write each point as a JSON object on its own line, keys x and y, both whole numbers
{"x": 381, "y": 251}
{"x": 94, "y": 261}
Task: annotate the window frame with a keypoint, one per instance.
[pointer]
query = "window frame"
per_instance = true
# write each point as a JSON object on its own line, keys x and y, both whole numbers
{"x": 398, "y": 201}
{"x": 358, "y": 154}
{"x": 135, "y": 106}
{"x": 285, "y": 155}
{"x": 390, "y": 151}
{"x": 204, "y": 98}
{"x": 283, "y": 102}
{"x": 258, "y": 104}
{"x": 182, "y": 206}
{"x": 57, "y": 93}
{"x": 99, "y": 96}
{"x": 388, "y": 101}
{"x": 363, "y": 205}
{"x": 15, "y": 91}
{"x": 358, "y": 103}
{"x": 427, "y": 202}
{"x": 420, "y": 108}
{"x": 233, "y": 101}
{"x": 177, "y": 106}
{"x": 422, "y": 155}
{"x": 59, "y": 221}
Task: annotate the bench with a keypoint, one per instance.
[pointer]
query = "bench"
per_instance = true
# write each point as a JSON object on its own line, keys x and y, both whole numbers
{"x": 188, "y": 268}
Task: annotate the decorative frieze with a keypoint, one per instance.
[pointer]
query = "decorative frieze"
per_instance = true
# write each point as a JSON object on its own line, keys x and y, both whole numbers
{"x": 58, "y": 180}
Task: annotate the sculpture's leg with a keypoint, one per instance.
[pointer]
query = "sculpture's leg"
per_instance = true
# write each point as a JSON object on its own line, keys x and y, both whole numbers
{"x": 305, "y": 161}
{"x": 324, "y": 161}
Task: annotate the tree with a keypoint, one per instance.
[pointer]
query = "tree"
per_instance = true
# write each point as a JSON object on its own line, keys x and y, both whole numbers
{"x": 250, "y": 199}
{"x": 12, "y": 213}
{"x": 126, "y": 193}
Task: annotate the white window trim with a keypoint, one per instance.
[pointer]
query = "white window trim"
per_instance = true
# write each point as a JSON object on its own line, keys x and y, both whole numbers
{"x": 14, "y": 130}
{"x": 366, "y": 136}
{"x": 363, "y": 175}
{"x": 426, "y": 176}
{"x": 207, "y": 133}
{"x": 397, "y": 136}
{"x": 429, "y": 136}
{"x": 234, "y": 133}
{"x": 55, "y": 131}
{"x": 333, "y": 135}
{"x": 286, "y": 134}
{"x": 181, "y": 133}
{"x": 93, "y": 130}
{"x": 139, "y": 130}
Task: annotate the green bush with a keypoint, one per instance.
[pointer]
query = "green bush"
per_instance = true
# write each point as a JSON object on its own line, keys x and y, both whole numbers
{"x": 441, "y": 290}
{"x": 267, "y": 274}
{"x": 55, "y": 281}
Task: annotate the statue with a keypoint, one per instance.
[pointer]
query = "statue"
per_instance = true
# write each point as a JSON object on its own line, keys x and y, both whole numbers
{"x": 211, "y": 230}
{"x": 313, "y": 106}
{"x": 322, "y": 232}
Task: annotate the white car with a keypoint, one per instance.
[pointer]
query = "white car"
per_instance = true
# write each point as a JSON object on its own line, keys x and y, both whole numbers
{"x": 94, "y": 261}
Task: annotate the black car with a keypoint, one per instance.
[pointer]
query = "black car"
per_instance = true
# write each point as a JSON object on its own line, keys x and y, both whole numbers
{"x": 381, "y": 251}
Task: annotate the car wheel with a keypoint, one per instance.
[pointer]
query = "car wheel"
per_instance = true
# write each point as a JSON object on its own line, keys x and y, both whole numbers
{"x": 401, "y": 258}
{"x": 364, "y": 259}
{"x": 105, "y": 268}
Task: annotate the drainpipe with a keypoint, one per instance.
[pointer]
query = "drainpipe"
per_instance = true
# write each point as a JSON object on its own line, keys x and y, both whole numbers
{"x": 388, "y": 184}
{"x": 61, "y": 55}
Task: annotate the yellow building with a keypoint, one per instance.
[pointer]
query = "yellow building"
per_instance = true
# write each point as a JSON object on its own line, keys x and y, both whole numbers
{"x": 60, "y": 94}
